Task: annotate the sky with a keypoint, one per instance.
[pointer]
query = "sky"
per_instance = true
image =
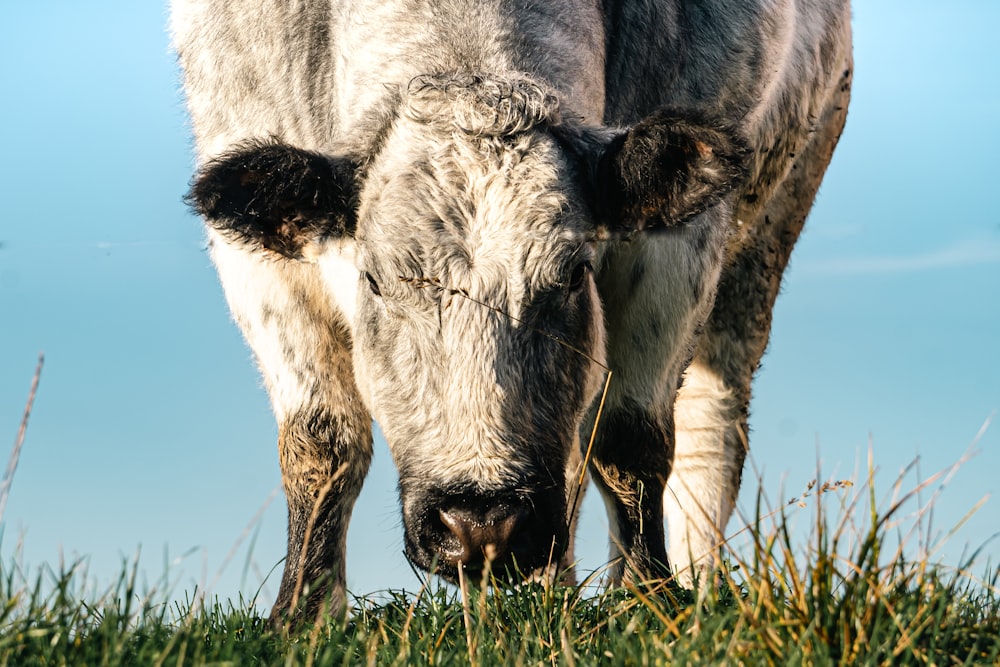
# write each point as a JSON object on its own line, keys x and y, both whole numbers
{"x": 152, "y": 438}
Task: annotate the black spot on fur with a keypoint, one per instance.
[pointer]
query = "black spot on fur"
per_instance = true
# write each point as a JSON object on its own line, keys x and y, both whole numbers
{"x": 276, "y": 196}
{"x": 655, "y": 328}
{"x": 636, "y": 276}
{"x": 268, "y": 314}
{"x": 701, "y": 243}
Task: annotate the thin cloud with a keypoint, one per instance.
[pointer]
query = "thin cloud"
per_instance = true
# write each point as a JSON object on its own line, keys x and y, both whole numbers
{"x": 960, "y": 255}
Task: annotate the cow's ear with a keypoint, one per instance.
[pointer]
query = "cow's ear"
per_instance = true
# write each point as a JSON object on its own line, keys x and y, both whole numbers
{"x": 273, "y": 196}
{"x": 665, "y": 169}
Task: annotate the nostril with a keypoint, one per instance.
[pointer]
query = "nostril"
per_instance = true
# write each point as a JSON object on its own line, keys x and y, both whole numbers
{"x": 483, "y": 538}
{"x": 461, "y": 528}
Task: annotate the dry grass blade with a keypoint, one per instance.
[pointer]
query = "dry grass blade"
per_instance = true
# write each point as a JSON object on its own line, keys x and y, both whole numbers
{"x": 15, "y": 453}
{"x": 470, "y": 639}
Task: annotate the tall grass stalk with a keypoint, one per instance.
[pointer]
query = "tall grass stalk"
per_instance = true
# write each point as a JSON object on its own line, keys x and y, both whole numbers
{"x": 15, "y": 452}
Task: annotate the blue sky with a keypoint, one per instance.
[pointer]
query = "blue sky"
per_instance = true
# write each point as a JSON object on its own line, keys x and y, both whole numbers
{"x": 150, "y": 427}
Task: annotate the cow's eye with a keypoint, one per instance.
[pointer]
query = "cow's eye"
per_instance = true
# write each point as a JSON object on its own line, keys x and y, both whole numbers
{"x": 372, "y": 284}
{"x": 578, "y": 276}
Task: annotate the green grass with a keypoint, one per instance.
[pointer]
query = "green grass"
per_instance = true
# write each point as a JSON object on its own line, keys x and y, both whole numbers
{"x": 843, "y": 597}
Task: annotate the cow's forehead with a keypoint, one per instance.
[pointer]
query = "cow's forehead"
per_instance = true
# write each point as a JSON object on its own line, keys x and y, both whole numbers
{"x": 467, "y": 209}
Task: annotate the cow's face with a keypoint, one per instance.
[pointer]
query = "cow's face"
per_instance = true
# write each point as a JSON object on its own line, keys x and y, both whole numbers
{"x": 478, "y": 330}
{"x": 478, "y": 335}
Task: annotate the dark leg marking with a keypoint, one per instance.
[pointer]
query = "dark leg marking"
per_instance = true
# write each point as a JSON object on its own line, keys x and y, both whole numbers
{"x": 631, "y": 462}
{"x": 322, "y": 473}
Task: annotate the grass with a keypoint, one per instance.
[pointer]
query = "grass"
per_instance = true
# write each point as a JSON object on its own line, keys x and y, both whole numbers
{"x": 850, "y": 595}
{"x": 843, "y": 598}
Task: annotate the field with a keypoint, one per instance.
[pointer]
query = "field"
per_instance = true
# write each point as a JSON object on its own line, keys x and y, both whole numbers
{"x": 847, "y": 596}
{"x": 860, "y": 590}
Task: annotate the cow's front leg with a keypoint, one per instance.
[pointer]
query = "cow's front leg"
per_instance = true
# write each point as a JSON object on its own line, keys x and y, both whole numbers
{"x": 323, "y": 464}
{"x": 712, "y": 407}
{"x": 303, "y": 348}
{"x": 630, "y": 464}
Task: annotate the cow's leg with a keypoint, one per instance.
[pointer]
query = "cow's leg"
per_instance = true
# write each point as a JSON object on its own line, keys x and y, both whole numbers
{"x": 712, "y": 406}
{"x": 303, "y": 350}
{"x": 709, "y": 452}
{"x": 630, "y": 464}
{"x": 657, "y": 290}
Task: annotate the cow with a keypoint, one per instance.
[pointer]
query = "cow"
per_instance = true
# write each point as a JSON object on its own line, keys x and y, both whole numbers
{"x": 537, "y": 241}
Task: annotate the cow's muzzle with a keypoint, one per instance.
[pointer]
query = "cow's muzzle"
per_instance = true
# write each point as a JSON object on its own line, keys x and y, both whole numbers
{"x": 510, "y": 537}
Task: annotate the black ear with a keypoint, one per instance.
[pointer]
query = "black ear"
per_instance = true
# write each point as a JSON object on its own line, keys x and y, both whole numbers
{"x": 665, "y": 169}
{"x": 274, "y": 196}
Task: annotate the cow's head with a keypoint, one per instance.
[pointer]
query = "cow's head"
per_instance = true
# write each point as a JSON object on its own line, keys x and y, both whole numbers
{"x": 478, "y": 329}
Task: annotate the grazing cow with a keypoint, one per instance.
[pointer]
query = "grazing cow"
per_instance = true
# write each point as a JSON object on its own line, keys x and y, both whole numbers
{"x": 459, "y": 217}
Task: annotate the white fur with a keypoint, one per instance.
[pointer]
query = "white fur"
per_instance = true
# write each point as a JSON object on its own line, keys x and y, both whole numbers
{"x": 338, "y": 263}
{"x": 500, "y": 223}
{"x": 700, "y": 494}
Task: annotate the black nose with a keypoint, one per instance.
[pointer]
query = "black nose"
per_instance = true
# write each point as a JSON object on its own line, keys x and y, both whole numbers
{"x": 495, "y": 536}
{"x": 509, "y": 534}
